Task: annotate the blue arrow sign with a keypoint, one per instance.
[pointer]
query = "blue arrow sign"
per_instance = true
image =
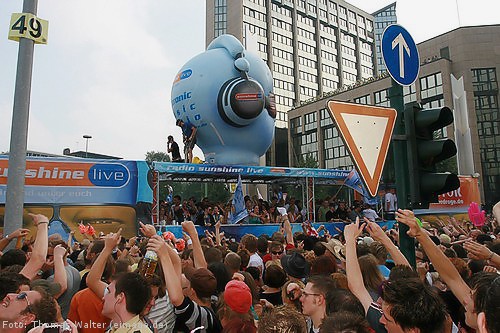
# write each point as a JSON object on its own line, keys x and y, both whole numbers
{"x": 400, "y": 54}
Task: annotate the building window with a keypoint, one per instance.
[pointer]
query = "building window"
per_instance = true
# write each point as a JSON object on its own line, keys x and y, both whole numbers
{"x": 326, "y": 118}
{"x": 296, "y": 125}
{"x": 363, "y": 100}
{"x": 410, "y": 93}
{"x": 381, "y": 98}
{"x": 310, "y": 121}
{"x": 304, "y": 143}
{"x": 485, "y": 85}
{"x": 431, "y": 87}
{"x": 336, "y": 154}
{"x": 220, "y": 17}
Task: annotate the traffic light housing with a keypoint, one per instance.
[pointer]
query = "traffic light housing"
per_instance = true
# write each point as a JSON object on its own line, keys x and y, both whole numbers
{"x": 424, "y": 152}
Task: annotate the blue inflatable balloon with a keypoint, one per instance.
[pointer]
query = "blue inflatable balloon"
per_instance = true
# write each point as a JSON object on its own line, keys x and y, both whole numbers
{"x": 227, "y": 93}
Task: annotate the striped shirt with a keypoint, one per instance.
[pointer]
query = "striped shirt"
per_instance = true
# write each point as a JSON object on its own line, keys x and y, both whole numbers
{"x": 191, "y": 315}
{"x": 162, "y": 315}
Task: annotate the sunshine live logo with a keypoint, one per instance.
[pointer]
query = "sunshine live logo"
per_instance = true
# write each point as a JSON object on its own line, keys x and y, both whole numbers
{"x": 71, "y": 174}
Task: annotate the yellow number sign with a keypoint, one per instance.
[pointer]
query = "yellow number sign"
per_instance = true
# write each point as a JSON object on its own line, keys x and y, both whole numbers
{"x": 26, "y": 25}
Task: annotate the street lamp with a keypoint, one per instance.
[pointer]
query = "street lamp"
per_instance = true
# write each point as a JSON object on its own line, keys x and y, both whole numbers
{"x": 87, "y": 137}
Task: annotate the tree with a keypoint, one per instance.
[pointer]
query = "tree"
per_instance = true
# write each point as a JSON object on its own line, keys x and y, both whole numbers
{"x": 157, "y": 156}
{"x": 307, "y": 162}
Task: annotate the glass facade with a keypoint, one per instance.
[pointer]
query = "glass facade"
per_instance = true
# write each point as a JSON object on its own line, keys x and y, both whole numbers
{"x": 485, "y": 84}
{"x": 220, "y": 17}
{"x": 335, "y": 153}
{"x": 314, "y": 49}
{"x": 304, "y": 140}
{"x": 382, "y": 18}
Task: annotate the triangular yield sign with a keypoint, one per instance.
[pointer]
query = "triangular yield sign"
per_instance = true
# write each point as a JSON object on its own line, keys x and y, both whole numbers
{"x": 367, "y": 132}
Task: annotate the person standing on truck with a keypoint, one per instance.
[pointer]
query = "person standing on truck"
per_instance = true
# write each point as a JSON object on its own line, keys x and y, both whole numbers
{"x": 173, "y": 148}
{"x": 189, "y": 135}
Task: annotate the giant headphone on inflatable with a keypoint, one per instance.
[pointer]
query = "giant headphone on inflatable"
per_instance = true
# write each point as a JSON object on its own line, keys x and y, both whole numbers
{"x": 242, "y": 99}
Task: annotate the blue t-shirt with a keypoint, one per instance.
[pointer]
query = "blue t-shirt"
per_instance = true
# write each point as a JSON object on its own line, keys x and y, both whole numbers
{"x": 187, "y": 129}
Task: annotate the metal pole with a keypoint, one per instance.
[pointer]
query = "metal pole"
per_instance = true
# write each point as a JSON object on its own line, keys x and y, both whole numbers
{"x": 86, "y": 148}
{"x": 19, "y": 132}
{"x": 406, "y": 244}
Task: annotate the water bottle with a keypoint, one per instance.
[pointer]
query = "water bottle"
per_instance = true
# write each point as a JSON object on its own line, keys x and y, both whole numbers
{"x": 149, "y": 264}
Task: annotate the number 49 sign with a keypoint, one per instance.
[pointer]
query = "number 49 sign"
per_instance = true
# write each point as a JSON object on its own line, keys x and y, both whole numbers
{"x": 27, "y": 25}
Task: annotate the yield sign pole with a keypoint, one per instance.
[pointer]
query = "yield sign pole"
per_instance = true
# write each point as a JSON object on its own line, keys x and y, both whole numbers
{"x": 366, "y": 131}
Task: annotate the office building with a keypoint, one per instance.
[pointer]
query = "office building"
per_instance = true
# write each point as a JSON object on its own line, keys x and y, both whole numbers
{"x": 470, "y": 54}
{"x": 383, "y": 18}
{"x": 311, "y": 46}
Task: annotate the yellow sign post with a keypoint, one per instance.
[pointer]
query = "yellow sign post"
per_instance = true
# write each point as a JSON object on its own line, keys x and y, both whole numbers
{"x": 27, "y": 25}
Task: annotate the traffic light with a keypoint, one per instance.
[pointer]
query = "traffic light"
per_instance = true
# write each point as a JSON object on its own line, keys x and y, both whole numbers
{"x": 424, "y": 152}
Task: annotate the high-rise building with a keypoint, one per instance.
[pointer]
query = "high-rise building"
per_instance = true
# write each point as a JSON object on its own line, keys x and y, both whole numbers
{"x": 468, "y": 55}
{"x": 311, "y": 46}
{"x": 383, "y": 18}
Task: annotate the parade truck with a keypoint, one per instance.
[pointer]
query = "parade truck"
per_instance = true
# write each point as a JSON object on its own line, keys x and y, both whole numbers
{"x": 79, "y": 194}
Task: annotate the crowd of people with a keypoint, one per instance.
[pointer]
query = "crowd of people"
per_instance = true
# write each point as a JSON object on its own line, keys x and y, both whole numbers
{"x": 356, "y": 281}
{"x": 259, "y": 211}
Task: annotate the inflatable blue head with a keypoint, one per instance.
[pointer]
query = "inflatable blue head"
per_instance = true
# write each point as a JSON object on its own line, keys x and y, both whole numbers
{"x": 227, "y": 94}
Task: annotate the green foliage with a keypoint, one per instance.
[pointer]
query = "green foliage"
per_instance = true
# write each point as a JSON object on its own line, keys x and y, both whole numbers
{"x": 307, "y": 162}
{"x": 157, "y": 156}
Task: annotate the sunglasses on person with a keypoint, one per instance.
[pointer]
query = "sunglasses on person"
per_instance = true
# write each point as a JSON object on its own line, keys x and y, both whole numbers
{"x": 24, "y": 295}
{"x": 277, "y": 252}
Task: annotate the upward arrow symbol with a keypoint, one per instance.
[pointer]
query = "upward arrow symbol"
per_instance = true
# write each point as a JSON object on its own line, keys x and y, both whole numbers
{"x": 400, "y": 41}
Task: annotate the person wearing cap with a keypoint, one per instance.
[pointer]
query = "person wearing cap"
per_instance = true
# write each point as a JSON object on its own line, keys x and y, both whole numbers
{"x": 191, "y": 300}
{"x": 189, "y": 138}
{"x": 236, "y": 305}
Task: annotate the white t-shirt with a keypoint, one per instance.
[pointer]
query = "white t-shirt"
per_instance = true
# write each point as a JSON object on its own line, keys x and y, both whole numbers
{"x": 391, "y": 202}
{"x": 370, "y": 214}
{"x": 256, "y": 261}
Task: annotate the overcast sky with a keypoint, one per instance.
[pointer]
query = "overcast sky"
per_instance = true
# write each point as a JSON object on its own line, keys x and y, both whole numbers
{"x": 108, "y": 68}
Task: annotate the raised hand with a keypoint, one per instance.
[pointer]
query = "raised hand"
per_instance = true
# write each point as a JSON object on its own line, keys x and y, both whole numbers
{"x": 375, "y": 230}
{"x": 59, "y": 251}
{"x": 353, "y": 230}
{"x": 407, "y": 217}
{"x": 477, "y": 251}
{"x": 147, "y": 230}
{"x": 157, "y": 244}
{"x": 112, "y": 240}
{"x": 19, "y": 233}
{"x": 39, "y": 218}
{"x": 189, "y": 228}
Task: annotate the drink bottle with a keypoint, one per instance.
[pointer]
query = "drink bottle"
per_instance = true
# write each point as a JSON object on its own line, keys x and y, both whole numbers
{"x": 149, "y": 263}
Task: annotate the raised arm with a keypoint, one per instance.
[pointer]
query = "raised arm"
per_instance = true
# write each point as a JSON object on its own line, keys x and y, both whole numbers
{"x": 17, "y": 234}
{"x": 447, "y": 271}
{"x": 379, "y": 235}
{"x": 59, "y": 270}
{"x": 94, "y": 281}
{"x": 353, "y": 271}
{"x": 217, "y": 233}
{"x": 39, "y": 253}
{"x": 288, "y": 229}
{"x": 172, "y": 278}
{"x": 481, "y": 252}
{"x": 198, "y": 256}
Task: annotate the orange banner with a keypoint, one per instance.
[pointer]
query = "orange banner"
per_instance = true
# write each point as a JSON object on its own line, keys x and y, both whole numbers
{"x": 462, "y": 197}
{"x": 46, "y": 173}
